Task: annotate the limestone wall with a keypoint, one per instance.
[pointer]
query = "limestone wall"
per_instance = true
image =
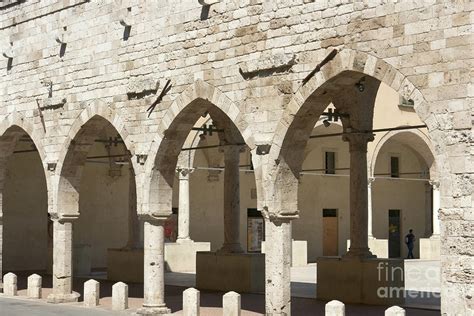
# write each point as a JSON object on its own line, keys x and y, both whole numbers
{"x": 422, "y": 49}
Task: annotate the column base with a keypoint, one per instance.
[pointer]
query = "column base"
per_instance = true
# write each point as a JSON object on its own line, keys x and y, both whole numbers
{"x": 378, "y": 247}
{"x": 231, "y": 248}
{"x": 359, "y": 253}
{"x": 154, "y": 311}
{"x": 63, "y": 298}
{"x": 184, "y": 240}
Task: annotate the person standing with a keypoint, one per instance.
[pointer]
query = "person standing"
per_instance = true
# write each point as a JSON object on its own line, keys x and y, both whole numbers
{"x": 410, "y": 242}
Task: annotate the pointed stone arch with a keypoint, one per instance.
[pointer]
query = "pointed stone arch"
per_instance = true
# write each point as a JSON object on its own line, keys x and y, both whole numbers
{"x": 199, "y": 98}
{"x": 11, "y": 128}
{"x": 281, "y": 177}
{"x": 72, "y": 156}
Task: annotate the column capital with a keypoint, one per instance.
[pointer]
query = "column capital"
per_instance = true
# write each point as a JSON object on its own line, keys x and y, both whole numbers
{"x": 184, "y": 172}
{"x": 434, "y": 183}
{"x": 370, "y": 180}
{"x": 358, "y": 140}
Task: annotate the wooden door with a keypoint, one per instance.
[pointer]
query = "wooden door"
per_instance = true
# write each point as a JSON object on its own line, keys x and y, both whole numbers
{"x": 330, "y": 233}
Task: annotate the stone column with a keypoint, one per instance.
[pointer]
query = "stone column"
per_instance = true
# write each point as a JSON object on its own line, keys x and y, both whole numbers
{"x": 359, "y": 204}
{"x": 232, "y": 200}
{"x": 62, "y": 260}
{"x": 183, "y": 207}
{"x": 436, "y": 205}
{"x": 277, "y": 266}
{"x": 154, "y": 267}
{"x": 369, "y": 207}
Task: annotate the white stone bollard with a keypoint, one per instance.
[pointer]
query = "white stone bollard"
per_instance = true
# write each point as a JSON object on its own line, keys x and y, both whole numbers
{"x": 191, "y": 302}
{"x": 231, "y": 304}
{"x": 10, "y": 284}
{"x": 34, "y": 286}
{"x": 335, "y": 308}
{"x": 395, "y": 311}
{"x": 91, "y": 293}
{"x": 119, "y": 296}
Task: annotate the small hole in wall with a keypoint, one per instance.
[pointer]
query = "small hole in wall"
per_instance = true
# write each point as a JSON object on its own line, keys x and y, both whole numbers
{"x": 129, "y": 9}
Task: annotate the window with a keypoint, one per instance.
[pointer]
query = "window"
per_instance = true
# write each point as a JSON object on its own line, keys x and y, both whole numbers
{"x": 394, "y": 167}
{"x": 329, "y": 212}
{"x": 330, "y": 162}
{"x": 255, "y": 230}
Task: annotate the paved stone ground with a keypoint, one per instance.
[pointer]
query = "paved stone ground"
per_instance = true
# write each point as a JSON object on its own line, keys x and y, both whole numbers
{"x": 303, "y": 289}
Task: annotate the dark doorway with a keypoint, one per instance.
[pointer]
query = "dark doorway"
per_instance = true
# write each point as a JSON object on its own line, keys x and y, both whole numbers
{"x": 394, "y": 233}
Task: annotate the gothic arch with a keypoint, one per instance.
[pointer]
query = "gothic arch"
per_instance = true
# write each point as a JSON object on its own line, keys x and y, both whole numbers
{"x": 281, "y": 178}
{"x": 73, "y": 155}
{"x": 186, "y": 109}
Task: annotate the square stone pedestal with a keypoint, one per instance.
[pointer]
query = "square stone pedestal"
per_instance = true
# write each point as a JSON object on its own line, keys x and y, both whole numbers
{"x": 181, "y": 257}
{"x": 355, "y": 281}
{"x": 126, "y": 265}
{"x": 430, "y": 248}
{"x": 299, "y": 252}
{"x": 238, "y": 272}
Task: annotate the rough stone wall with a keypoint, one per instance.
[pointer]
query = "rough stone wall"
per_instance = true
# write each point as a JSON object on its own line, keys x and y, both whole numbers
{"x": 275, "y": 44}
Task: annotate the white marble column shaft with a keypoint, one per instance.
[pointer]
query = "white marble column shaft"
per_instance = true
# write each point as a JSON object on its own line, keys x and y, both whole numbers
{"x": 184, "y": 206}
{"x": 436, "y": 205}
{"x": 369, "y": 207}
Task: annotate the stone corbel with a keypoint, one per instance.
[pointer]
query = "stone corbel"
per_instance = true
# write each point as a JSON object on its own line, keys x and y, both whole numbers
{"x": 208, "y": 2}
{"x": 434, "y": 184}
{"x": 184, "y": 171}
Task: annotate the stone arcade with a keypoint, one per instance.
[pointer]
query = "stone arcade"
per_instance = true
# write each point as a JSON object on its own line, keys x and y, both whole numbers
{"x": 88, "y": 87}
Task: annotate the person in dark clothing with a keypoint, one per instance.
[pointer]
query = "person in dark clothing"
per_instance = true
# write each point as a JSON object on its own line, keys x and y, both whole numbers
{"x": 410, "y": 241}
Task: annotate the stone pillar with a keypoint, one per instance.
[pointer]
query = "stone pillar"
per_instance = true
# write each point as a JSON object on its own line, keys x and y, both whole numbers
{"x": 154, "y": 267}
{"x": 183, "y": 207}
{"x": 119, "y": 296}
{"x": 34, "y": 286}
{"x": 277, "y": 266}
{"x": 10, "y": 282}
{"x": 91, "y": 293}
{"x": 359, "y": 205}
{"x": 62, "y": 261}
{"x": 395, "y": 311}
{"x": 231, "y": 304}
{"x": 232, "y": 200}
{"x": 369, "y": 207}
{"x": 436, "y": 205}
{"x": 191, "y": 302}
{"x": 335, "y": 308}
